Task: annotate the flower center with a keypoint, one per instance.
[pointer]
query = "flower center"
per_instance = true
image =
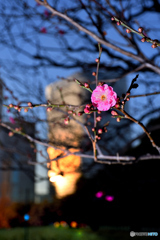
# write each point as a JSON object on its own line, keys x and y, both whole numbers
{"x": 103, "y": 97}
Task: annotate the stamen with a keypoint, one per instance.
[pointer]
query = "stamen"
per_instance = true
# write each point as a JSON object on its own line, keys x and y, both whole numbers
{"x": 103, "y": 97}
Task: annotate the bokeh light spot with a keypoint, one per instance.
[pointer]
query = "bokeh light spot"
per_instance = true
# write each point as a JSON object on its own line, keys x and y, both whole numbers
{"x": 109, "y": 198}
{"x": 99, "y": 194}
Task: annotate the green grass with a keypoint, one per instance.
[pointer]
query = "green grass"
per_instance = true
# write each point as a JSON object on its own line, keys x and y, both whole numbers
{"x": 48, "y": 233}
{"x": 52, "y": 233}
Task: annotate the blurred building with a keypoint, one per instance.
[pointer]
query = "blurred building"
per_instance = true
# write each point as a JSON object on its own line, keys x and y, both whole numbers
{"x": 66, "y": 91}
{"x": 1, "y": 94}
{"x": 16, "y": 176}
{"x": 64, "y": 173}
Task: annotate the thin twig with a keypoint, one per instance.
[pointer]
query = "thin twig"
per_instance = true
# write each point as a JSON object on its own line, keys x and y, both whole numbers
{"x": 88, "y": 32}
{"x": 144, "y": 95}
{"x": 93, "y": 141}
{"x": 137, "y": 32}
{"x": 142, "y": 66}
{"x": 31, "y": 139}
{"x": 97, "y": 158}
{"x": 98, "y": 39}
{"x": 126, "y": 115}
{"x": 44, "y": 105}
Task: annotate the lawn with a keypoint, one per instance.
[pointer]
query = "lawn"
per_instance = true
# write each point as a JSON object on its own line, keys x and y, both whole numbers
{"x": 47, "y": 233}
{"x": 52, "y": 233}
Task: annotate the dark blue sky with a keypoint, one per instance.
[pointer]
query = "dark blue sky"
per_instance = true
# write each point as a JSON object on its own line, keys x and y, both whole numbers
{"x": 21, "y": 30}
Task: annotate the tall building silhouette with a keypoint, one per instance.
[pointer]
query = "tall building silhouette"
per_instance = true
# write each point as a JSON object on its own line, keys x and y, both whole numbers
{"x": 16, "y": 176}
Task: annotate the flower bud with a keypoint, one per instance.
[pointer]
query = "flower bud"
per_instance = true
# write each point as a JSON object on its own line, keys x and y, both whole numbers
{"x": 105, "y": 129}
{"x": 86, "y": 85}
{"x": 26, "y": 110}
{"x": 10, "y": 105}
{"x": 29, "y": 104}
{"x": 99, "y": 118}
{"x": 128, "y": 30}
{"x": 155, "y": 41}
{"x": 49, "y": 109}
{"x": 100, "y": 131}
{"x": 118, "y": 119}
{"x": 112, "y": 18}
{"x": 143, "y": 39}
{"x": 87, "y": 110}
{"x": 114, "y": 113}
{"x": 70, "y": 111}
{"x": 118, "y": 23}
{"x": 66, "y": 120}
{"x": 154, "y": 45}
{"x": 117, "y": 105}
{"x": 97, "y": 60}
{"x": 140, "y": 29}
{"x": 80, "y": 113}
{"x": 10, "y": 134}
{"x": 93, "y": 73}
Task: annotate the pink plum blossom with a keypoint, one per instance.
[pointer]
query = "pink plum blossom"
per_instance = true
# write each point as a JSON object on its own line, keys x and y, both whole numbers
{"x": 103, "y": 97}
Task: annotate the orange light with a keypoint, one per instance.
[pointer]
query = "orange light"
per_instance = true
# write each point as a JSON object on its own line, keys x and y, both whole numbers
{"x": 63, "y": 224}
{"x": 68, "y": 165}
{"x": 74, "y": 224}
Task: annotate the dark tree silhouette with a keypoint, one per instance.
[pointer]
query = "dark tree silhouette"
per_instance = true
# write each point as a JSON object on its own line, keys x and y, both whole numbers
{"x": 41, "y": 38}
